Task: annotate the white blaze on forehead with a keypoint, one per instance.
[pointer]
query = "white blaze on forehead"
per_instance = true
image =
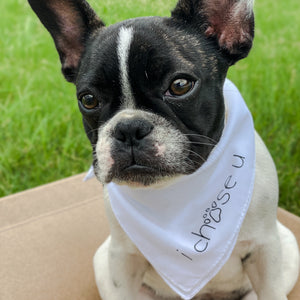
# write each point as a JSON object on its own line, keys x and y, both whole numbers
{"x": 124, "y": 42}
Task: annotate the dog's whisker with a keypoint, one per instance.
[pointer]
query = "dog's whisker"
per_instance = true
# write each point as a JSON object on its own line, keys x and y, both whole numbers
{"x": 196, "y": 154}
{"x": 92, "y": 131}
{"x": 201, "y": 136}
{"x": 189, "y": 163}
{"x": 199, "y": 143}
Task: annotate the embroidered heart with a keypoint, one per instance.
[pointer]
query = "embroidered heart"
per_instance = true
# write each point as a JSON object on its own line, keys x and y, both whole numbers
{"x": 215, "y": 214}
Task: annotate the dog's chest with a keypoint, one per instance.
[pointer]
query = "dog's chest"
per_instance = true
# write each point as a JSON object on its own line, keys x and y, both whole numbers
{"x": 230, "y": 283}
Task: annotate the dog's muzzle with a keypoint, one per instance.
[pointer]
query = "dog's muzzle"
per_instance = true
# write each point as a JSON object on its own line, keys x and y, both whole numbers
{"x": 139, "y": 147}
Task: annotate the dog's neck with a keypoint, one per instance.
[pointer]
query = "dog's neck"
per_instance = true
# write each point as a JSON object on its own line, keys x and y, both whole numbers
{"x": 195, "y": 218}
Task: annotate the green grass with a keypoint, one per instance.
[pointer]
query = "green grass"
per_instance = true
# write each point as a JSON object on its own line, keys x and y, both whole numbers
{"x": 269, "y": 81}
{"x": 41, "y": 135}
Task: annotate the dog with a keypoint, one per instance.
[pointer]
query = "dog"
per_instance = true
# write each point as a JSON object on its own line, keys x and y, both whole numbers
{"x": 151, "y": 94}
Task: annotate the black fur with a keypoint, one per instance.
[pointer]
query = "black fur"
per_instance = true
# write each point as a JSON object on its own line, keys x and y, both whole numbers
{"x": 151, "y": 71}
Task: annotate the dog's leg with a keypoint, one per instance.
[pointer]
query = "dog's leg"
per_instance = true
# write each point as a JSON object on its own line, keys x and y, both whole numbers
{"x": 118, "y": 274}
{"x": 101, "y": 269}
{"x": 264, "y": 269}
{"x": 119, "y": 266}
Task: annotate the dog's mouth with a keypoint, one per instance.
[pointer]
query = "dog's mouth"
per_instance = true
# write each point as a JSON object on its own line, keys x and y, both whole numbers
{"x": 136, "y": 168}
{"x": 138, "y": 174}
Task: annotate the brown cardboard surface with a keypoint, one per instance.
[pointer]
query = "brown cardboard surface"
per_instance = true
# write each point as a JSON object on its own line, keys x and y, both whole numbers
{"x": 48, "y": 236}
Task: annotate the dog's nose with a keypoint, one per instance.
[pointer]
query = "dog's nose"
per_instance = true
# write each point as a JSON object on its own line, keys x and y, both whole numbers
{"x": 132, "y": 130}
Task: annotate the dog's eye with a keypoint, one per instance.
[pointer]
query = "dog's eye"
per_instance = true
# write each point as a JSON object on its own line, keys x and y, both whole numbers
{"x": 180, "y": 87}
{"x": 89, "y": 101}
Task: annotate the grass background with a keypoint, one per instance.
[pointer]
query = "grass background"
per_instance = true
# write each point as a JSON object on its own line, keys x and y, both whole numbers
{"x": 41, "y": 135}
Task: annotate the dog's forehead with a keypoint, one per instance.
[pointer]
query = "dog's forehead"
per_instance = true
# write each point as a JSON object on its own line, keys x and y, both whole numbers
{"x": 148, "y": 40}
{"x": 144, "y": 55}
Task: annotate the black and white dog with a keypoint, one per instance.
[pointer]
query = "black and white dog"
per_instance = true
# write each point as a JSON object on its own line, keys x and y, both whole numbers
{"x": 151, "y": 93}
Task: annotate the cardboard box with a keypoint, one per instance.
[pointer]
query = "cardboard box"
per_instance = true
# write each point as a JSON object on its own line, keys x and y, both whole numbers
{"x": 48, "y": 236}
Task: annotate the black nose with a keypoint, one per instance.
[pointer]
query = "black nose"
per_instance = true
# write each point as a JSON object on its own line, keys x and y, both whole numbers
{"x": 132, "y": 130}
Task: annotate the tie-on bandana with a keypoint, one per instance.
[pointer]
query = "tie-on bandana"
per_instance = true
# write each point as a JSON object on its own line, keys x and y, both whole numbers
{"x": 188, "y": 229}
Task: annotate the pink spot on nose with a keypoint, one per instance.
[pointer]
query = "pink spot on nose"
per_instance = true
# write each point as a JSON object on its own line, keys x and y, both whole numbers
{"x": 161, "y": 149}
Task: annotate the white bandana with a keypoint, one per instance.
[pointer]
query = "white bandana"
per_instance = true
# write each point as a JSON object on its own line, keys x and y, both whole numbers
{"x": 188, "y": 230}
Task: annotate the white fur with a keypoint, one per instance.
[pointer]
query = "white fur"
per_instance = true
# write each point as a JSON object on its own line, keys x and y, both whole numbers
{"x": 105, "y": 161}
{"x": 271, "y": 270}
{"x": 124, "y": 42}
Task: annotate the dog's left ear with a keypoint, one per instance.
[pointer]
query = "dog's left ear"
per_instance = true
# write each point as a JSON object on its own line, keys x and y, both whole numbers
{"x": 229, "y": 22}
{"x": 70, "y": 23}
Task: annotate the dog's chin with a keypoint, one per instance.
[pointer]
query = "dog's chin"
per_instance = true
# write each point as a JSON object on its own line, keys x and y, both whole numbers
{"x": 141, "y": 176}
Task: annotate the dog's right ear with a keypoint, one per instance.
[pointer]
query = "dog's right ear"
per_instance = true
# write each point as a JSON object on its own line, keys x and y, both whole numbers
{"x": 70, "y": 23}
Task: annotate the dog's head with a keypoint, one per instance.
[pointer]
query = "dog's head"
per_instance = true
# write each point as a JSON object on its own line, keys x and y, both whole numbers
{"x": 150, "y": 89}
